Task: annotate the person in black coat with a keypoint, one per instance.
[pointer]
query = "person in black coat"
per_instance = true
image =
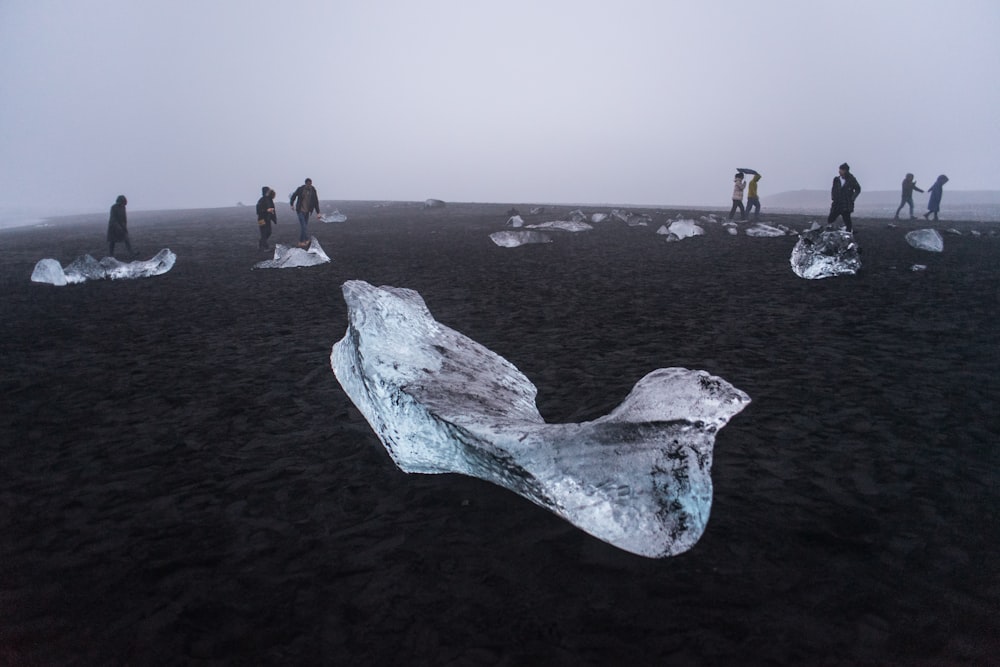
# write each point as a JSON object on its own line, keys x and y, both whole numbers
{"x": 843, "y": 193}
{"x": 118, "y": 227}
{"x": 265, "y": 216}
{"x": 304, "y": 201}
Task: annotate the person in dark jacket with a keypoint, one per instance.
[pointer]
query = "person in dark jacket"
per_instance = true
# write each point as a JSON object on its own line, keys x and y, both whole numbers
{"x": 304, "y": 201}
{"x": 118, "y": 227}
{"x": 265, "y": 216}
{"x": 843, "y": 193}
{"x": 909, "y": 185}
{"x": 934, "y": 201}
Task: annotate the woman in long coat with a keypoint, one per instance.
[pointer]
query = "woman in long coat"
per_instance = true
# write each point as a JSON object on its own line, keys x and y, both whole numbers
{"x": 118, "y": 226}
{"x": 934, "y": 201}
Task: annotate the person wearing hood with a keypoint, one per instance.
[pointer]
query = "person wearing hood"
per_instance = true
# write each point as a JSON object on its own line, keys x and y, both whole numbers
{"x": 118, "y": 227}
{"x": 909, "y": 185}
{"x": 934, "y": 201}
{"x": 753, "y": 201}
{"x": 738, "y": 185}
{"x": 843, "y": 193}
{"x": 265, "y": 216}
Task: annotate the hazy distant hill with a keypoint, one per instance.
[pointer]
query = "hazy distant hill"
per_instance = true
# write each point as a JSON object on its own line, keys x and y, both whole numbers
{"x": 956, "y": 204}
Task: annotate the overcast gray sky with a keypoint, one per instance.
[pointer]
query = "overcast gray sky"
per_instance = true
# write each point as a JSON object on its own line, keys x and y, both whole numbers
{"x": 198, "y": 103}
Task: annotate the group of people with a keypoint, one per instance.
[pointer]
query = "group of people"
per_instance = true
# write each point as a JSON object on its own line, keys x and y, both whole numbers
{"x": 844, "y": 191}
{"x": 304, "y": 201}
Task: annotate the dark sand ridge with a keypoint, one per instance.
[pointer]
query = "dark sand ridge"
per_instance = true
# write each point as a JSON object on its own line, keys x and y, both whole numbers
{"x": 184, "y": 482}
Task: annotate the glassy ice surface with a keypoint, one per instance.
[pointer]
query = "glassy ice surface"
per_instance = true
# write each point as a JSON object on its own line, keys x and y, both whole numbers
{"x": 926, "y": 239}
{"x": 638, "y": 478}
{"x": 765, "y": 230}
{"x": 680, "y": 229}
{"x": 336, "y": 216}
{"x": 515, "y": 221}
{"x": 515, "y": 239}
{"x": 291, "y": 257}
{"x": 821, "y": 253}
{"x": 564, "y": 225}
{"x": 87, "y": 268}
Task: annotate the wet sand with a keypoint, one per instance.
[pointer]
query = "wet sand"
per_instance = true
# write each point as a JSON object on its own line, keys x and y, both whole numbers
{"x": 184, "y": 482}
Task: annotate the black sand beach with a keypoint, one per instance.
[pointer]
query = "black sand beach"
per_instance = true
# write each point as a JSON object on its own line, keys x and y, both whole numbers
{"x": 183, "y": 481}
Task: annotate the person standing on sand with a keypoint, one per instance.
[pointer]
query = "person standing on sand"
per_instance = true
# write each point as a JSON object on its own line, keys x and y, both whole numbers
{"x": 753, "y": 201}
{"x": 843, "y": 193}
{"x": 265, "y": 216}
{"x": 738, "y": 185}
{"x": 308, "y": 201}
{"x": 934, "y": 201}
{"x": 909, "y": 185}
{"x": 118, "y": 227}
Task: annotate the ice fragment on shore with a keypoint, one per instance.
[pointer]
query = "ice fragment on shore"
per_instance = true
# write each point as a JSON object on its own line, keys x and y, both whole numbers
{"x": 764, "y": 230}
{"x": 638, "y": 478}
{"x": 515, "y": 239}
{"x": 336, "y": 216}
{"x": 289, "y": 257}
{"x": 918, "y": 267}
{"x": 515, "y": 221}
{"x": 599, "y": 217}
{"x": 565, "y": 225}
{"x": 680, "y": 229}
{"x": 86, "y": 268}
{"x": 925, "y": 239}
{"x": 433, "y": 203}
{"x": 823, "y": 253}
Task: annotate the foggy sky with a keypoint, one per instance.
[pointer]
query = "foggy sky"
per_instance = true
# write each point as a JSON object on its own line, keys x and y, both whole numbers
{"x": 198, "y": 104}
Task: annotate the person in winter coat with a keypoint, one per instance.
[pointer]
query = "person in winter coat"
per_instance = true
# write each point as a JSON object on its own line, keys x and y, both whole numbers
{"x": 265, "y": 216}
{"x": 738, "y": 185}
{"x": 753, "y": 201}
{"x": 909, "y": 185}
{"x": 304, "y": 201}
{"x": 934, "y": 201}
{"x": 843, "y": 193}
{"x": 118, "y": 227}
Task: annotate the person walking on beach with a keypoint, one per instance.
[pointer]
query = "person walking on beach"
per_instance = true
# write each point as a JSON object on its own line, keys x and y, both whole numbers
{"x": 934, "y": 201}
{"x": 738, "y": 185}
{"x": 909, "y": 185}
{"x": 118, "y": 227}
{"x": 265, "y": 216}
{"x": 753, "y": 201}
{"x": 304, "y": 201}
{"x": 843, "y": 193}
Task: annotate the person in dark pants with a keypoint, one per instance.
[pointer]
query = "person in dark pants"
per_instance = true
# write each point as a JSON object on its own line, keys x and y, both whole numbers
{"x": 934, "y": 201}
{"x": 738, "y": 185}
{"x": 304, "y": 201}
{"x": 909, "y": 185}
{"x": 843, "y": 193}
{"x": 265, "y": 216}
{"x": 118, "y": 227}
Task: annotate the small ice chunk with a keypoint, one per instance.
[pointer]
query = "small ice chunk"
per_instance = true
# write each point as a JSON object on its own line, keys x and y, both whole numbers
{"x": 515, "y": 239}
{"x": 926, "y": 239}
{"x": 515, "y": 221}
{"x": 287, "y": 257}
{"x": 336, "y": 216}
{"x": 433, "y": 203}
{"x": 565, "y": 225}
{"x": 918, "y": 267}
{"x": 48, "y": 271}
{"x": 764, "y": 230}
{"x": 824, "y": 254}
{"x": 599, "y": 217}
{"x": 681, "y": 229}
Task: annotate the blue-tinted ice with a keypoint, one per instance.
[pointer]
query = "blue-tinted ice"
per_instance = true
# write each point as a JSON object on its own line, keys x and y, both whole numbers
{"x": 638, "y": 478}
{"x": 87, "y": 268}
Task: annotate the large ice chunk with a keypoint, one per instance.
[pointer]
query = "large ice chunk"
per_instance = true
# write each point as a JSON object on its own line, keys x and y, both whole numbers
{"x": 821, "y": 253}
{"x": 87, "y": 268}
{"x": 926, "y": 239}
{"x": 286, "y": 257}
{"x": 638, "y": 478}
